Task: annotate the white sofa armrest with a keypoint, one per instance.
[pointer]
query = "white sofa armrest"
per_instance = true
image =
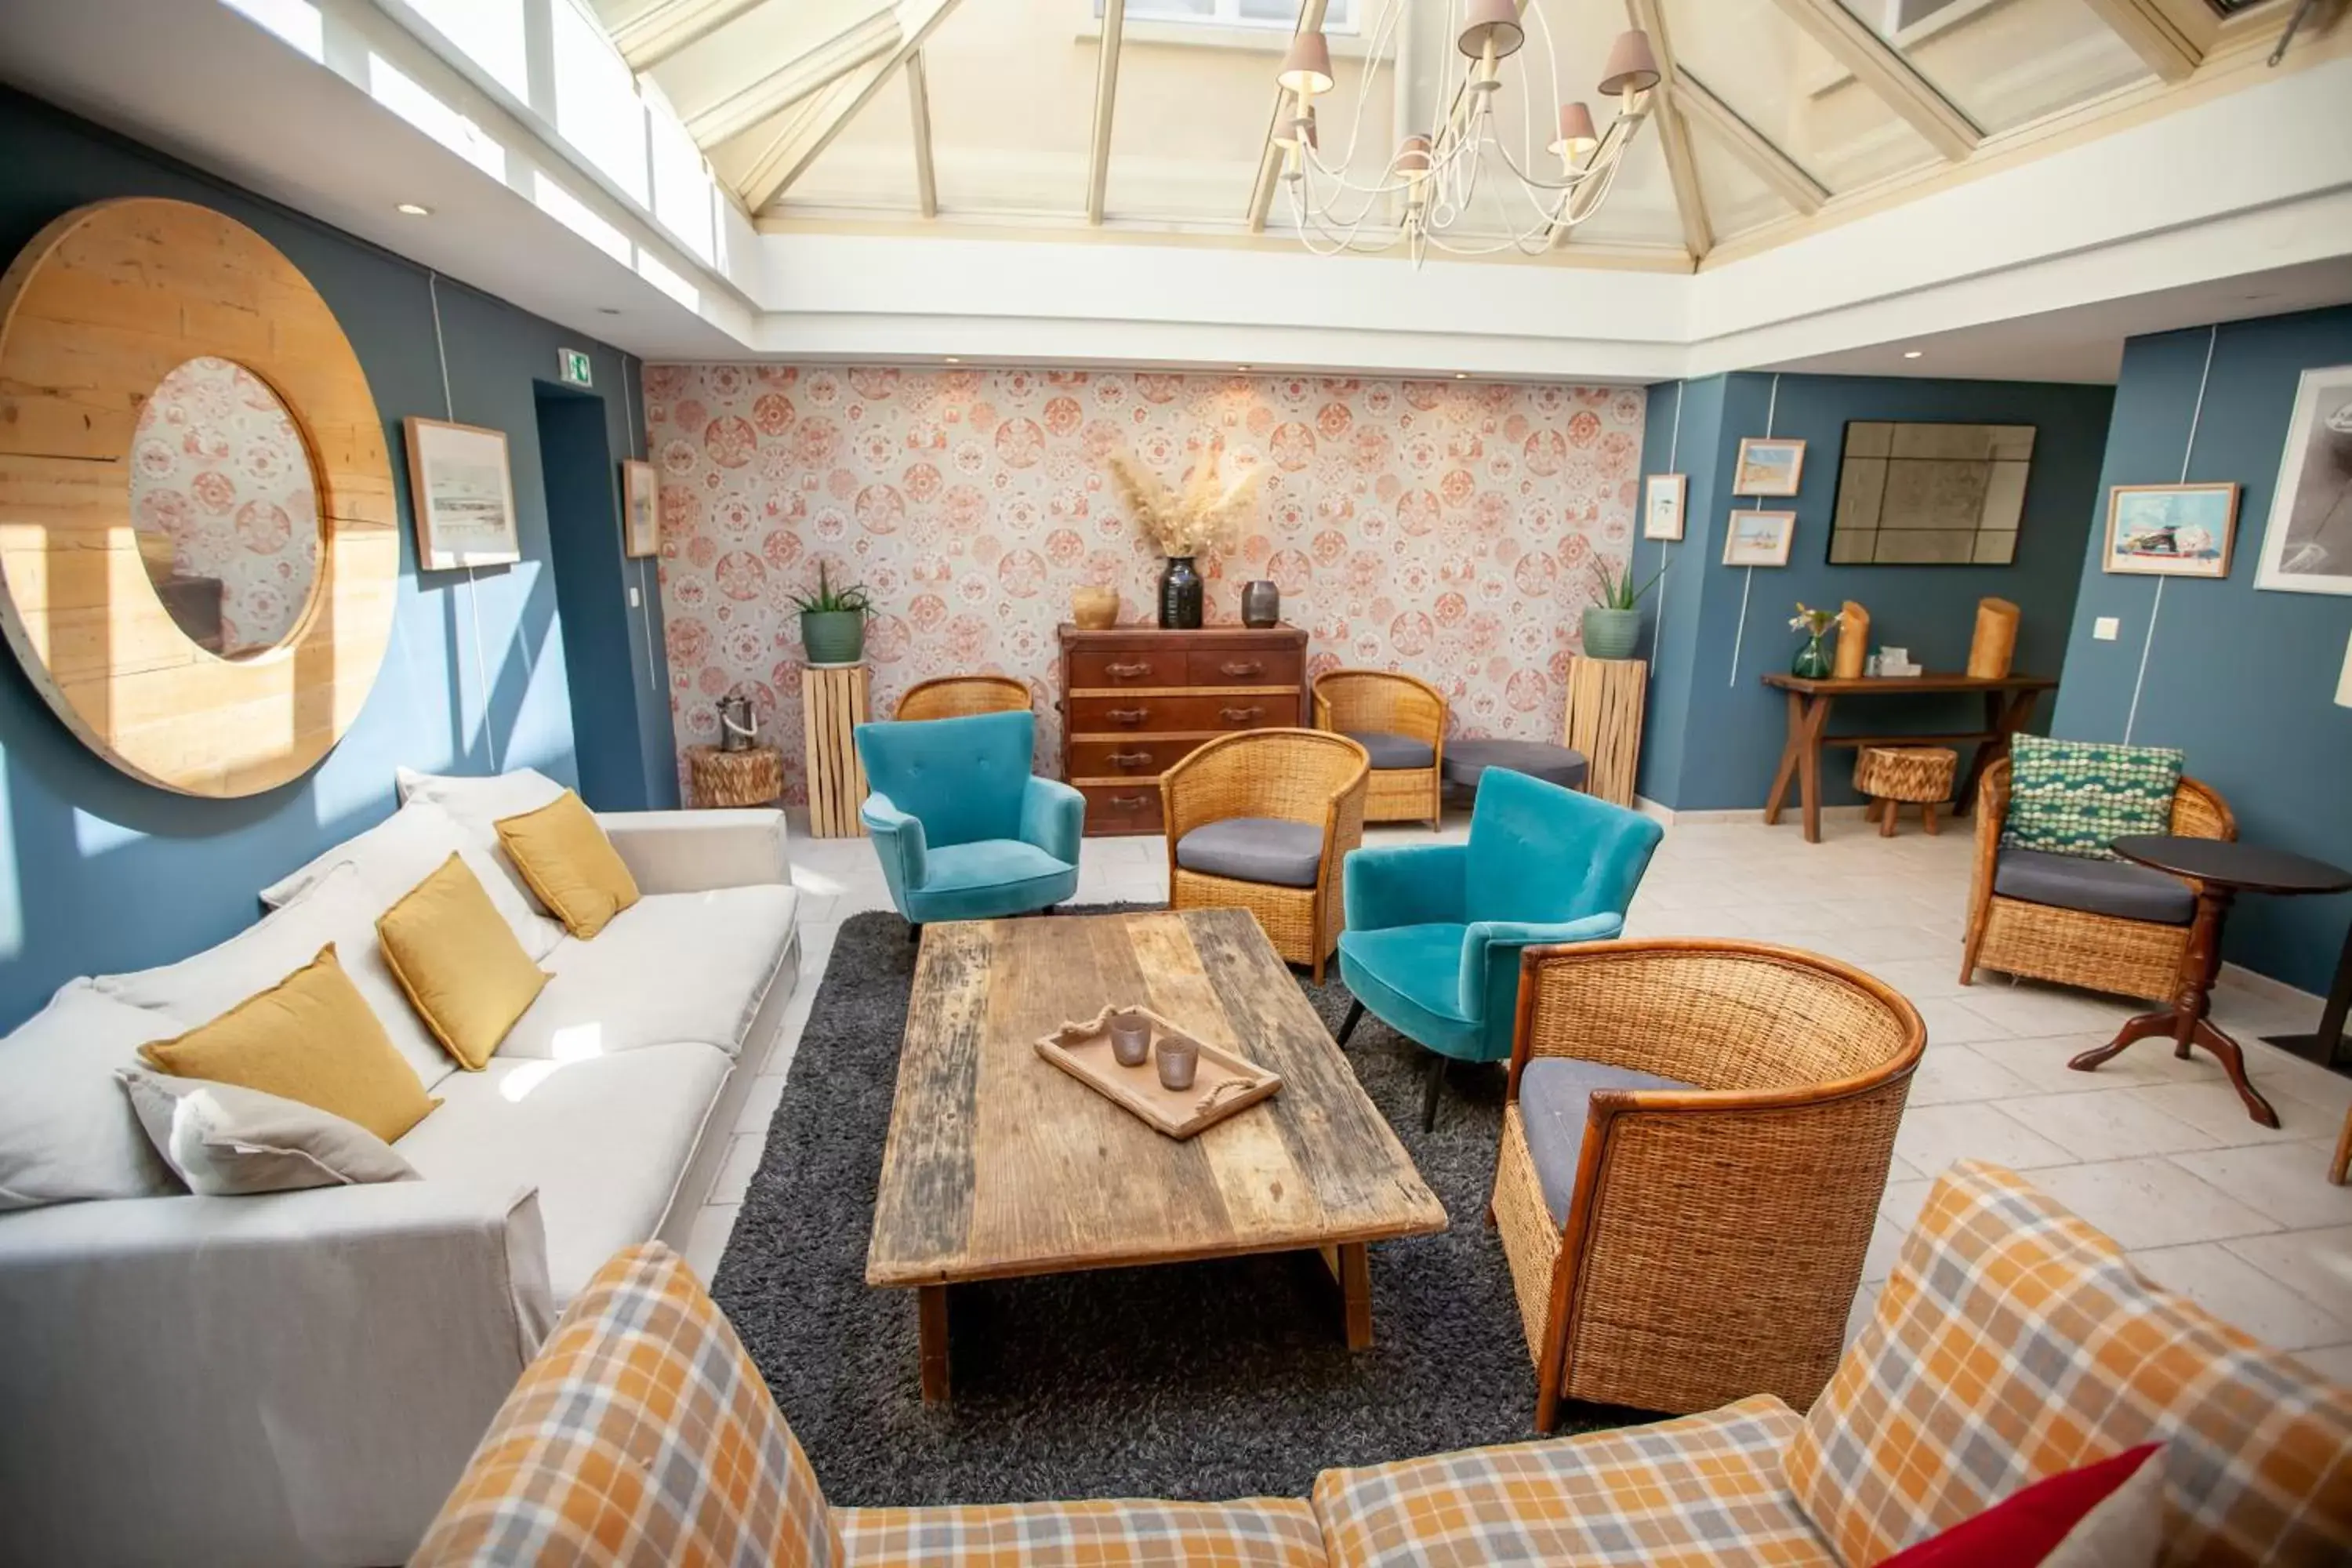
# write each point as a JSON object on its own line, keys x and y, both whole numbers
{"x": 696, "y": 851}
{"x": 294, "y": 1378}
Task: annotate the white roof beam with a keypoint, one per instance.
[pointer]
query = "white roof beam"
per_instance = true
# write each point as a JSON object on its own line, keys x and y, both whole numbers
{"x": 2153, "y": 35}
{"x": 1674, "y": 133}
{"x": 918, "y": 103}
{"x": 659, "y": 31}
{"x": 809, "y": 133}
{"x": 1774, "y": 167}
{"x": 1113, "y": 22}
{"x": 1887, "y": 74}
{"x": 795, "y": 80}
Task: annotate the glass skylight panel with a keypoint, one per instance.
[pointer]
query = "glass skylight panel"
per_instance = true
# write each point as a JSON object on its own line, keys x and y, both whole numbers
{"x": 682, "y": 188}
{"x": 1738, "y": 199}
{"x": 490, "y": 34}
{"x": 1338, "y": 15}
{"x": 2005, "y": 62}
{"x": 596, "y": 105}
{"x": 405, "y": 96}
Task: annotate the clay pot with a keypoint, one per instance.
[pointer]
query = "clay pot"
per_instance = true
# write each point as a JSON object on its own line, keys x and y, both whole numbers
{"x": 1094, "y": 609}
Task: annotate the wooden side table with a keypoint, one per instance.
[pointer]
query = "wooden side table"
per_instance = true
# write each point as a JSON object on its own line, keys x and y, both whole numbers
{"x": 752, "y": 776}
{"x": 833, "y": 703}
{"x": 1604, "y": 721}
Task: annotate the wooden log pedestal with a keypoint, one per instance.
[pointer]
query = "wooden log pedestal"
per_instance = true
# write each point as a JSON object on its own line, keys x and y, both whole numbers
{"x": 1604, "y": 722}
{"x": 752, "y": 776}
{"x": 833, "y": 700}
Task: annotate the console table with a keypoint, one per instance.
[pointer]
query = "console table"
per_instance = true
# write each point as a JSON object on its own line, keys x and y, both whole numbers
{"x": 2009, "y": 702}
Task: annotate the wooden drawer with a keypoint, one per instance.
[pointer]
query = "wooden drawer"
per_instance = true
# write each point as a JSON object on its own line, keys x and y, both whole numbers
{"x": 1112, "y": 667}
{"x": 1244, "y": 667}
{"x": 1145, "y": 757}
{"x": 1123, "y": 808}
{"x": 1147, "y": 715}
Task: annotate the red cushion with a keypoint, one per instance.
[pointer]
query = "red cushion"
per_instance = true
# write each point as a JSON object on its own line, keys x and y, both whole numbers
{"x": 2026, "y": 1526}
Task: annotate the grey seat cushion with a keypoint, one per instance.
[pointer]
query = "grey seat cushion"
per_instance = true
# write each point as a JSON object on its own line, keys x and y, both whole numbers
{"x": 1393, "y": 751}
{"x": 2116, "y": 888}
{"x": 1555, "y": 1092}
{"x": 1465, "y": 760}
{"x": 1254, "y": 850}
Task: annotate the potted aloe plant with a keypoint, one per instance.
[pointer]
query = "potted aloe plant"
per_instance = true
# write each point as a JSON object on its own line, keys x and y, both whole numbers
{"x": 833, "y": 620}
{"x": 1613, "y": 624}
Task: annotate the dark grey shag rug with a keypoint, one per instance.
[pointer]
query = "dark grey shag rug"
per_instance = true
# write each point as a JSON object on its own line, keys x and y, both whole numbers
{"x": 1192, "y": 1381}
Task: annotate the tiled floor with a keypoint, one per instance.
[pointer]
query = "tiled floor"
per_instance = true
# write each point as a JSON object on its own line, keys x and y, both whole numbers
{"x": 2155, "y": 1151}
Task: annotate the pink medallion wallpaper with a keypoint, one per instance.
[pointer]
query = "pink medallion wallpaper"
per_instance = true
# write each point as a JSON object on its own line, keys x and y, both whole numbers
{"x": 1447, "y": 529}
{"x": 218, "y": 466}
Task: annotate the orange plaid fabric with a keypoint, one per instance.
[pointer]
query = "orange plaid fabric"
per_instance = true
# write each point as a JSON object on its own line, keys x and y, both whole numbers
{"x": 1701, "y": 1489}
{"x": 1258, "y": 1532}
{"x": 641, "y": 1433}
{"x": 2014, "y": 1341}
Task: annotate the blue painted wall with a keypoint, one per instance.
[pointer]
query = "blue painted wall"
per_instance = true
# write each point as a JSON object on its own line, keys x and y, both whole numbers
{"x": 2243, "y": 681}
{"x": 98, "y": 872}
{"x": 1714, "y": 731}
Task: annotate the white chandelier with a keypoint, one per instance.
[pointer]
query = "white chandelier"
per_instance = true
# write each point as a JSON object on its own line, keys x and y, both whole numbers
{"x": 1424, "y": 194}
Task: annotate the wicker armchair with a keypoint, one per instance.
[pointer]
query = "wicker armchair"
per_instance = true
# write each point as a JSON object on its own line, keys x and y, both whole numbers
{"x": 2075, "y": 947}
{"x": 1288, "y": 775}
{"x": 1365, "y": 704}
{"x": 1704, "y": 1241}
{"x": 961, "y": 696}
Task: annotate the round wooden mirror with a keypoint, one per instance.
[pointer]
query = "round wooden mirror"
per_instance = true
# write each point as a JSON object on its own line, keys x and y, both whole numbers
{"x": 199, "y": 553}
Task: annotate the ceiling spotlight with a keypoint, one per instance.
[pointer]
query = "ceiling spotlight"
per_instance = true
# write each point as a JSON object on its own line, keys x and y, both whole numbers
{"x": 1241, "y": 367}
{"x": 1913, "y": 353}
{"x": 1461, "y": 375}
{"x": 410, "y": 209}
{"x": 953, "y": 360}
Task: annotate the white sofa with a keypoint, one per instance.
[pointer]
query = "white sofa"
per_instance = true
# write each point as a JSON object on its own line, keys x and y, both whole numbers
{"x": 299, "y": 1378}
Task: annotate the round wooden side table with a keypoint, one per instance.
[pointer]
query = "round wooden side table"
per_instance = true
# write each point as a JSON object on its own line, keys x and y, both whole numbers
{"x": 754, "y": 776}
{"x": 2218, "y": 870}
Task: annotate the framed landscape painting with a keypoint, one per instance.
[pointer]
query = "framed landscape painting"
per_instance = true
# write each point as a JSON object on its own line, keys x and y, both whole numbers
{"x": 1769, "y": 467}
{"x": 1661, "y": 506}
{"x": 2307, "y": 543}
{"x": 1759, "y": 537}
{"x": 2171, "y": 530}
{"x": 640, "y": 516}
{"x": 462, "y": 494}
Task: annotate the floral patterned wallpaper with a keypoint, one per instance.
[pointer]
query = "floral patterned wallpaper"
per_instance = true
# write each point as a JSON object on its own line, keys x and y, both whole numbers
{"x": 218, "y": 468}
{"x": 1442, "y": 528}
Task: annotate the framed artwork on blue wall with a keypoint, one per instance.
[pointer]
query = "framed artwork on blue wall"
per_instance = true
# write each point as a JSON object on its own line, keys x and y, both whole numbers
{"x": 1661, "y": 505}
{"x": 1767, "y": 466}
{"x": 2171, "y": 530}
{"x": 2307, "y": 543}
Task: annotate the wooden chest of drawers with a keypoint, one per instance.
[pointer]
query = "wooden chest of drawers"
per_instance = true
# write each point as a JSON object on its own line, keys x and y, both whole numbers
{"x": 1136, "y": 698}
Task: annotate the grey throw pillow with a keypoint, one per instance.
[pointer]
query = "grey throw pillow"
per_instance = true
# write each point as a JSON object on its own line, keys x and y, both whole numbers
{"x": 230, "y": 1141}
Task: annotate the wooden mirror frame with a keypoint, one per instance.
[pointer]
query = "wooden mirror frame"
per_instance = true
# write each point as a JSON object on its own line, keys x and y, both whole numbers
{"x": 105, "y": 303}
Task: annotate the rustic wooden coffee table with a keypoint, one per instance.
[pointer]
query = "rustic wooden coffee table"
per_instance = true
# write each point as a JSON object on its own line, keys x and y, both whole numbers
{"x": 999, "y": 1165}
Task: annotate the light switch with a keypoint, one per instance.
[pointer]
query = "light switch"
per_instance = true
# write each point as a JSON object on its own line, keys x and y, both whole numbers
{"x": 634, "y": 602}
{"x": 2106, "y": 628}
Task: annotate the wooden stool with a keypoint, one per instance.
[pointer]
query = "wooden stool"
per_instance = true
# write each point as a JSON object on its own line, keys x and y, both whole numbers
{"x": 1893, "y": 774}
{"x": 755, "y": 776}
{"x": 833, "y": 704}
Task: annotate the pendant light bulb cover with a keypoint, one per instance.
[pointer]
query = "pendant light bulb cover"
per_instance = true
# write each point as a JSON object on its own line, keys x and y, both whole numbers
{"x": 1632, "y": 68}
{"x": 1308, "y": 67}
{"x": 1495, "y": 19}
{"x": 1413, "y": 157}
{"x": 1576, "y": 136}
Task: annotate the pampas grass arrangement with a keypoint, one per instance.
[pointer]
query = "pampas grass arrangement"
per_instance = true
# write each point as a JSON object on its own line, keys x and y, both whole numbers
{"x": 1205, "y": 512}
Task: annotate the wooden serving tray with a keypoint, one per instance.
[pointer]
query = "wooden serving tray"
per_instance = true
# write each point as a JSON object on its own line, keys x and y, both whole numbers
{"x": 1225, "y": 1083}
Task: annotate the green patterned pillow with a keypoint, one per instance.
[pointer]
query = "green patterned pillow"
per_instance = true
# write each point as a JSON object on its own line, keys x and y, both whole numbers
{"x": 2073, "y": 797}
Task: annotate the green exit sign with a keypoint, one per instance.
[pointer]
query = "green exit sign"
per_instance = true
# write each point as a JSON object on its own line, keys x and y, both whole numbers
{"x": 574, "y": 367}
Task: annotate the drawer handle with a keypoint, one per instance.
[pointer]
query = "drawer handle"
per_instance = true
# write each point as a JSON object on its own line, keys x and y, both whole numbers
{"x": 1130, "y": 801}
{"x": 1127, "y": 671}
{"x": 1241, "y": 715}
{"x": 1127, "y": 715}
{"x": 1242, "y": 667}
{"x": 1130, "y": 759}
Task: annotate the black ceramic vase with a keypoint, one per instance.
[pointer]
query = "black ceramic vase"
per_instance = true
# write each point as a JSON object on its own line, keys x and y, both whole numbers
{"x": 1261, "y": 604}
{"x": 1180, "y": 595}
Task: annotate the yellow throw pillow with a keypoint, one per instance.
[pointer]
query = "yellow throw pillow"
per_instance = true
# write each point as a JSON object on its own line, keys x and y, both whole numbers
{"x": 309, "y": 1037}
{"x": 464, "y": 971}
{"x": 564, "y": 856}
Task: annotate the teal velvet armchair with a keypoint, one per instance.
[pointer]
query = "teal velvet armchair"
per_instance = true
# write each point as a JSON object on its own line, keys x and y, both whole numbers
{"x": 963, "y": 831}
{"x": 1434, "y": 931}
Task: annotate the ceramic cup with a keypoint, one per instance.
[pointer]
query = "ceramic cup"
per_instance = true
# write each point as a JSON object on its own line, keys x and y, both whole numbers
{"x": 1130, "y": 1039}
{"x": 1179, "y": 1058}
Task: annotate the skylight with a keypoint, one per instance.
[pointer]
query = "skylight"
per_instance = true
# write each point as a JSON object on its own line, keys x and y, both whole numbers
{"x": 1339, "y": 17}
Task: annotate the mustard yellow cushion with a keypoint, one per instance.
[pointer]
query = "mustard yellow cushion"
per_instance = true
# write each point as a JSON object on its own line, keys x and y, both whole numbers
{"x": 464, "y": 970}
{"x": 312, "y": 1038}
{"x": 564, "y": 856}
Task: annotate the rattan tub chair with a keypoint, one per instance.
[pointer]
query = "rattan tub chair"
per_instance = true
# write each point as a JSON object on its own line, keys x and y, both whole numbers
{"x": 1261, "y": 821}
{"x": 2100, "y": 951}
{"x": 1400, "y": 720}
{"x": 962, "y": 696}
{"x": 1695, "y": 1142}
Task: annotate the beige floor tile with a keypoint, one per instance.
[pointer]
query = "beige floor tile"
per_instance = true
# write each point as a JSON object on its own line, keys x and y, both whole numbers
{"x": 1865, "y": 1302}
{"x": 1957, "y": 1021}
{"x": 2151, "y": 1202}
{"x": 2225, "y": 1285}
{"x": 2334, "y": 1363}
{"x": 705, "y": 1241}
{"x": 2110, "y": 1124}
{"x": 1886, "y": 1245}
{"x": 2042, "y": 1062}
{"x": 2316, "y": 1263}
{"x": 1899, "y": 1169}
{"x": 1933, "y": 1136}
{"x": 2214, "y": 1107}
{"x": 1949, "y": 1074}
{"x": 2031, "y": 1009}
{"x": 2288, "y": 1182}
{"x": 1902, "y": 1200}
{"x": 760, "y": 1105}
{"x": 735, "y": 1171}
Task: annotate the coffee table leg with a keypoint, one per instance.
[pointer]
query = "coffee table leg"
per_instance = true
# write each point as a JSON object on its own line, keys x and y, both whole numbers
{"x": 1351, "y": 1265}
{"x": 931, "y": 1309}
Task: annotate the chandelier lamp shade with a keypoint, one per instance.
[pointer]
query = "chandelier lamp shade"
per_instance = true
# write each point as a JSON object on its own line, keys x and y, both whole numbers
{"x": 1473, "y": 179}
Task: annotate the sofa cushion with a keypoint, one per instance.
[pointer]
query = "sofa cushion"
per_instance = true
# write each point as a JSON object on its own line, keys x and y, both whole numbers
{"x": 458, "y": 964}
{"x": 1390, "y": 751}
{"x": 1263, "y": 1533}
{"x": 675, "y": 966}
{"x": 641, "y": 1433}
{"x": 1409, "y": 977}
{"x": 229, "y": 1142}
{"x": 1555, "y": 1094}
{"x": 477, "y": 801}
{"x": 2074, "y": 797}
{"x": 569, "y": 863}
{"x": 2013, "y": 1342}
{"x": 409, "y": 845}
{"x": 2116, "y": 888}
{"x": 336, "y": 909}
{"x": 66, "y": 1130}
{"x": 1270, "y": 849}
{"x": 1701, "y": 1489}
{"x": 604, "y": 1137}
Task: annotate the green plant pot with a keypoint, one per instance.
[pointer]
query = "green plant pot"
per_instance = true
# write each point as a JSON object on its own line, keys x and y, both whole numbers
{"x": 1611, "y": 634}
{"x": 833, "y": 636}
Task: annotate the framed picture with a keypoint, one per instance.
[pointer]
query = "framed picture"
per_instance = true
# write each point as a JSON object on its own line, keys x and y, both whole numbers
{"x": 2307, "y": 543}
{"x": 640, "y": 514}
{"x": 2171, "y": 530}
{"x": 1769, "y": 467}
{"x": 1759, "y": 537}
{"x": 1661, "y": 505}
{"x": 463, "y": 496}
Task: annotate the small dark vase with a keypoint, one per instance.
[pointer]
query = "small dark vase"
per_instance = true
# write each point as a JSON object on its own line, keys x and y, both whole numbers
{"x": 1180, "y": 595}
{"x": 1261, "y": 604}
{"x": 1812, "y": 661}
